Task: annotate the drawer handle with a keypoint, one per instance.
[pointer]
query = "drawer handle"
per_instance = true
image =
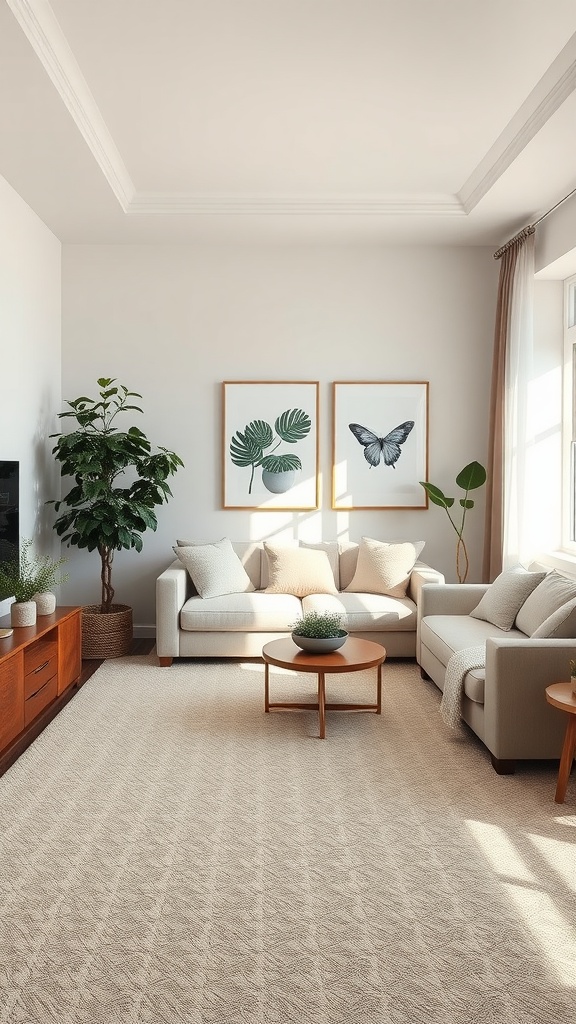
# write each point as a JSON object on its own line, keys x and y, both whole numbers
{"x": 41, "y": 667}
{"x": 43, "y": 687}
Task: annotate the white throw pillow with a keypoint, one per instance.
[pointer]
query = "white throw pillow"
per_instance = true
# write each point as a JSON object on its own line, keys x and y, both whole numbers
{"x": 506, "y": 595}
{"x": 331, "y": 549}
{"x": 215, "y": 569}
{"x": 383, "y": 568}
{"x": 550, "y": 595}
{"x": 298, "y": 571}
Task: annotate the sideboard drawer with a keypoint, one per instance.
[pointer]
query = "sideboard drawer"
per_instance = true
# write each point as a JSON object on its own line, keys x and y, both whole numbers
{"x": 39, "y": 700}
{"x": 35, "y": 680}
{"x": 37, "y": 653}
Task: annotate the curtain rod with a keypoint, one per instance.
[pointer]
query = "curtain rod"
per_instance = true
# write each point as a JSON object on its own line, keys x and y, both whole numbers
{"x": 530, "y": 227}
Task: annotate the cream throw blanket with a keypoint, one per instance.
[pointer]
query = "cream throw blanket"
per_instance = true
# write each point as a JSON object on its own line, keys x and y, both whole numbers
{"x": 460, "y": 663}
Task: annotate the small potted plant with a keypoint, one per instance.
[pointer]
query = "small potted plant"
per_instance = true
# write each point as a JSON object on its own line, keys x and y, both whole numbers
{"x": 27, "y": 578}
{"x": 319, "y": 632}
{"x": 573, "y": 676}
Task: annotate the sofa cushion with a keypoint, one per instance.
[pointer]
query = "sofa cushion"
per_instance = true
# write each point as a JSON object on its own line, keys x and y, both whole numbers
{"x": 554, "y": 592}
{"x": 349, "y": 558}
{"x": 366, "y": 612}
{"x": 215, "y": 569}
{"x": 383, "y": 568}
{"x": 331, "y": 549}
{"x": 561, "y": 625}
{"x": 298, "y": 571}
{"x": 255, "y": 612}
{"x": 504, "y": 598}
{"x": 443, "y": 635}
{"x": 249, "y": 553}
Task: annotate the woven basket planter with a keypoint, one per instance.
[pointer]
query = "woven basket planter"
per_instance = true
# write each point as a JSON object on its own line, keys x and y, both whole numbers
{"x": 106, "y": 636}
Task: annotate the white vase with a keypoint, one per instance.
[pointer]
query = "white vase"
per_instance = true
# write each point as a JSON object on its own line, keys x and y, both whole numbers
{"x": 45, "y": 602}
{"x": 23, "y": 613}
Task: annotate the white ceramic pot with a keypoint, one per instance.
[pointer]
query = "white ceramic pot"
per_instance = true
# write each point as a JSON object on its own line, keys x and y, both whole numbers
{"x": 45, "y": 602}
{"x": 23, "y": 613}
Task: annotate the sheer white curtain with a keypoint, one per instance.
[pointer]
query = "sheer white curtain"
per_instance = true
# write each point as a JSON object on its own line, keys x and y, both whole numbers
{"x": 520, "y": 479}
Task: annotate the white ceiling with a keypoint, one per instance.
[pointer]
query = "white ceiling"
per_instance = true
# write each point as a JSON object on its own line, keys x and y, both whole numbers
{"x": 416, "y": 121}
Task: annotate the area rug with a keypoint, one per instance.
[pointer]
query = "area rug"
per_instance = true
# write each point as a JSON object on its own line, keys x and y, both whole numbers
{"x": 170, "y": 854}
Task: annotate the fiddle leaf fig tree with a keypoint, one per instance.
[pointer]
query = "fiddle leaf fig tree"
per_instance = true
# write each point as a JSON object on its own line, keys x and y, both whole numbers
{"x": 472, "y": 476}
{"x": 118, "y": 479}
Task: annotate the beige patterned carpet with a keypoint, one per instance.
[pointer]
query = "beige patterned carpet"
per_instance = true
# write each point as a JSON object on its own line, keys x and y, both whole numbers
{"x": 169, "y": 853}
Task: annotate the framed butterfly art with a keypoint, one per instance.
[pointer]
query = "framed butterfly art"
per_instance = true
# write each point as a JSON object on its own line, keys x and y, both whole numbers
{"x": 380, "y": 444}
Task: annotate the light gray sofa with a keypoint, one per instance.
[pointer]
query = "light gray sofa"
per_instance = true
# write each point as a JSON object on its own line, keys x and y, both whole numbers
{"x": 238, "y": 625}
{"x": 504, "y": 703}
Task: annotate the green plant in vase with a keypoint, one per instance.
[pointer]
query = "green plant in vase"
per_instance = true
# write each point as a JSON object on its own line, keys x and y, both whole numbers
{"x": 118, "y": 480}
{"x": 25, "y": 576}
{"x": 469, "y": 479}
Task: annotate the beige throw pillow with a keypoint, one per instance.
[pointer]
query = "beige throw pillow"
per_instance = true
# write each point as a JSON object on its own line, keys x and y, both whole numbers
{"x": 298, "y": 571}
{"x": 506, "y": 595}
{"x": 383, "y": 568}
{"x": 549, "y": 596}
{"x": 215, "y": 569}
{"x": 561, "y": 625}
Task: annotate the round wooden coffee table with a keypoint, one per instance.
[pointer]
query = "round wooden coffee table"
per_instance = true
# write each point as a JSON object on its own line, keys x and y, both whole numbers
{"x": 352, "y": 657}
{"x": 560, "y": 696}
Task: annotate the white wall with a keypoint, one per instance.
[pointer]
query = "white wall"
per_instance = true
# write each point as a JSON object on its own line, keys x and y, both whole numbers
{"x": 174, "y": 322}
{"x": 30, "y": 287}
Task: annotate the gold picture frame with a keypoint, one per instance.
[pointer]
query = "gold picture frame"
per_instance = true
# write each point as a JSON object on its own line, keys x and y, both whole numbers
{"x": 379, "y": 444}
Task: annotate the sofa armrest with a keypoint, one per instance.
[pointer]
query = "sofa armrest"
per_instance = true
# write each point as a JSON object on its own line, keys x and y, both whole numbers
{"x": 515, "y": 706}
{"x": 171, "y": 589}
{"x": 451, "y": 598}
{"x": 421, "y": 575}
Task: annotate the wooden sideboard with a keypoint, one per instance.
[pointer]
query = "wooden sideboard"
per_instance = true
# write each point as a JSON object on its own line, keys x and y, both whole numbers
{"x": 39, "y": 666}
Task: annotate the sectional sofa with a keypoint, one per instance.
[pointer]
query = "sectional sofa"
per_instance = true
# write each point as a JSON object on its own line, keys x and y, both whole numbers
{"x": 526, "y": 629}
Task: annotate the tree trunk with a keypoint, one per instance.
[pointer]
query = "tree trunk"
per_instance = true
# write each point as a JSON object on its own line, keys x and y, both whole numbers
{"x": 106, "y": 556}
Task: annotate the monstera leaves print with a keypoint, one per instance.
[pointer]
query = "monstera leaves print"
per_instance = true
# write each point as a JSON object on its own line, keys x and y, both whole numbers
{"x": 248, "y": 447}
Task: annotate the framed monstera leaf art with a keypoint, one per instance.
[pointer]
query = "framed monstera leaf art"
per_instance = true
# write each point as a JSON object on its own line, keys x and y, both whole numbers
{"x": 270, "y": 445}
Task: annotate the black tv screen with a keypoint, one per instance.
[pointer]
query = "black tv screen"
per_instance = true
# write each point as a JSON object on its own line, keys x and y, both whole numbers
{"x": 9, "y": 510}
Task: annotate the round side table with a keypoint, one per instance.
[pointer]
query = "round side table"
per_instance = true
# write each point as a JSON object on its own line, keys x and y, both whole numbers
{"x": 560, "y": 696}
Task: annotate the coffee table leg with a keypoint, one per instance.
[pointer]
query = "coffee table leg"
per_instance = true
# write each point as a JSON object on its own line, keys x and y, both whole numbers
{"x": 322, "y": 705}
{"x": 379, "y": 691}
{"x": 266, "y": 694}
{"x": 566, "y": 760}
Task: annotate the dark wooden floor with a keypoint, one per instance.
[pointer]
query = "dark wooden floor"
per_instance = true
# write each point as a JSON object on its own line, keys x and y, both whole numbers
{"x": 143, "y": 646}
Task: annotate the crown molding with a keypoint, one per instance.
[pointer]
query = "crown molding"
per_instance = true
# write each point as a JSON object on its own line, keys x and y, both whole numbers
{"x": 555, "y": 86}
{"x": 158, "y": 203}
{"x": 38, "y": 22}
{"x": 41, "y": 28}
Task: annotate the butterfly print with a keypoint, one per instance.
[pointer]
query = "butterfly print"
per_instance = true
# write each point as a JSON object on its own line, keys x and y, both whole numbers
{"x": 387, "y": 448}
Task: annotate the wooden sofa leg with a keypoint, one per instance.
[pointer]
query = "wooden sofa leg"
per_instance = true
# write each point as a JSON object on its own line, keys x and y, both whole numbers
{"x": 503, "y": 766}
{"x": 423, "y": 673}
{"x": 165, "y": 662}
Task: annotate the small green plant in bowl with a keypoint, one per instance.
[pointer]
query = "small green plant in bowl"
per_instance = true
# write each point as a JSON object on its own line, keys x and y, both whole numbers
{"x": 319, "y": 632}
